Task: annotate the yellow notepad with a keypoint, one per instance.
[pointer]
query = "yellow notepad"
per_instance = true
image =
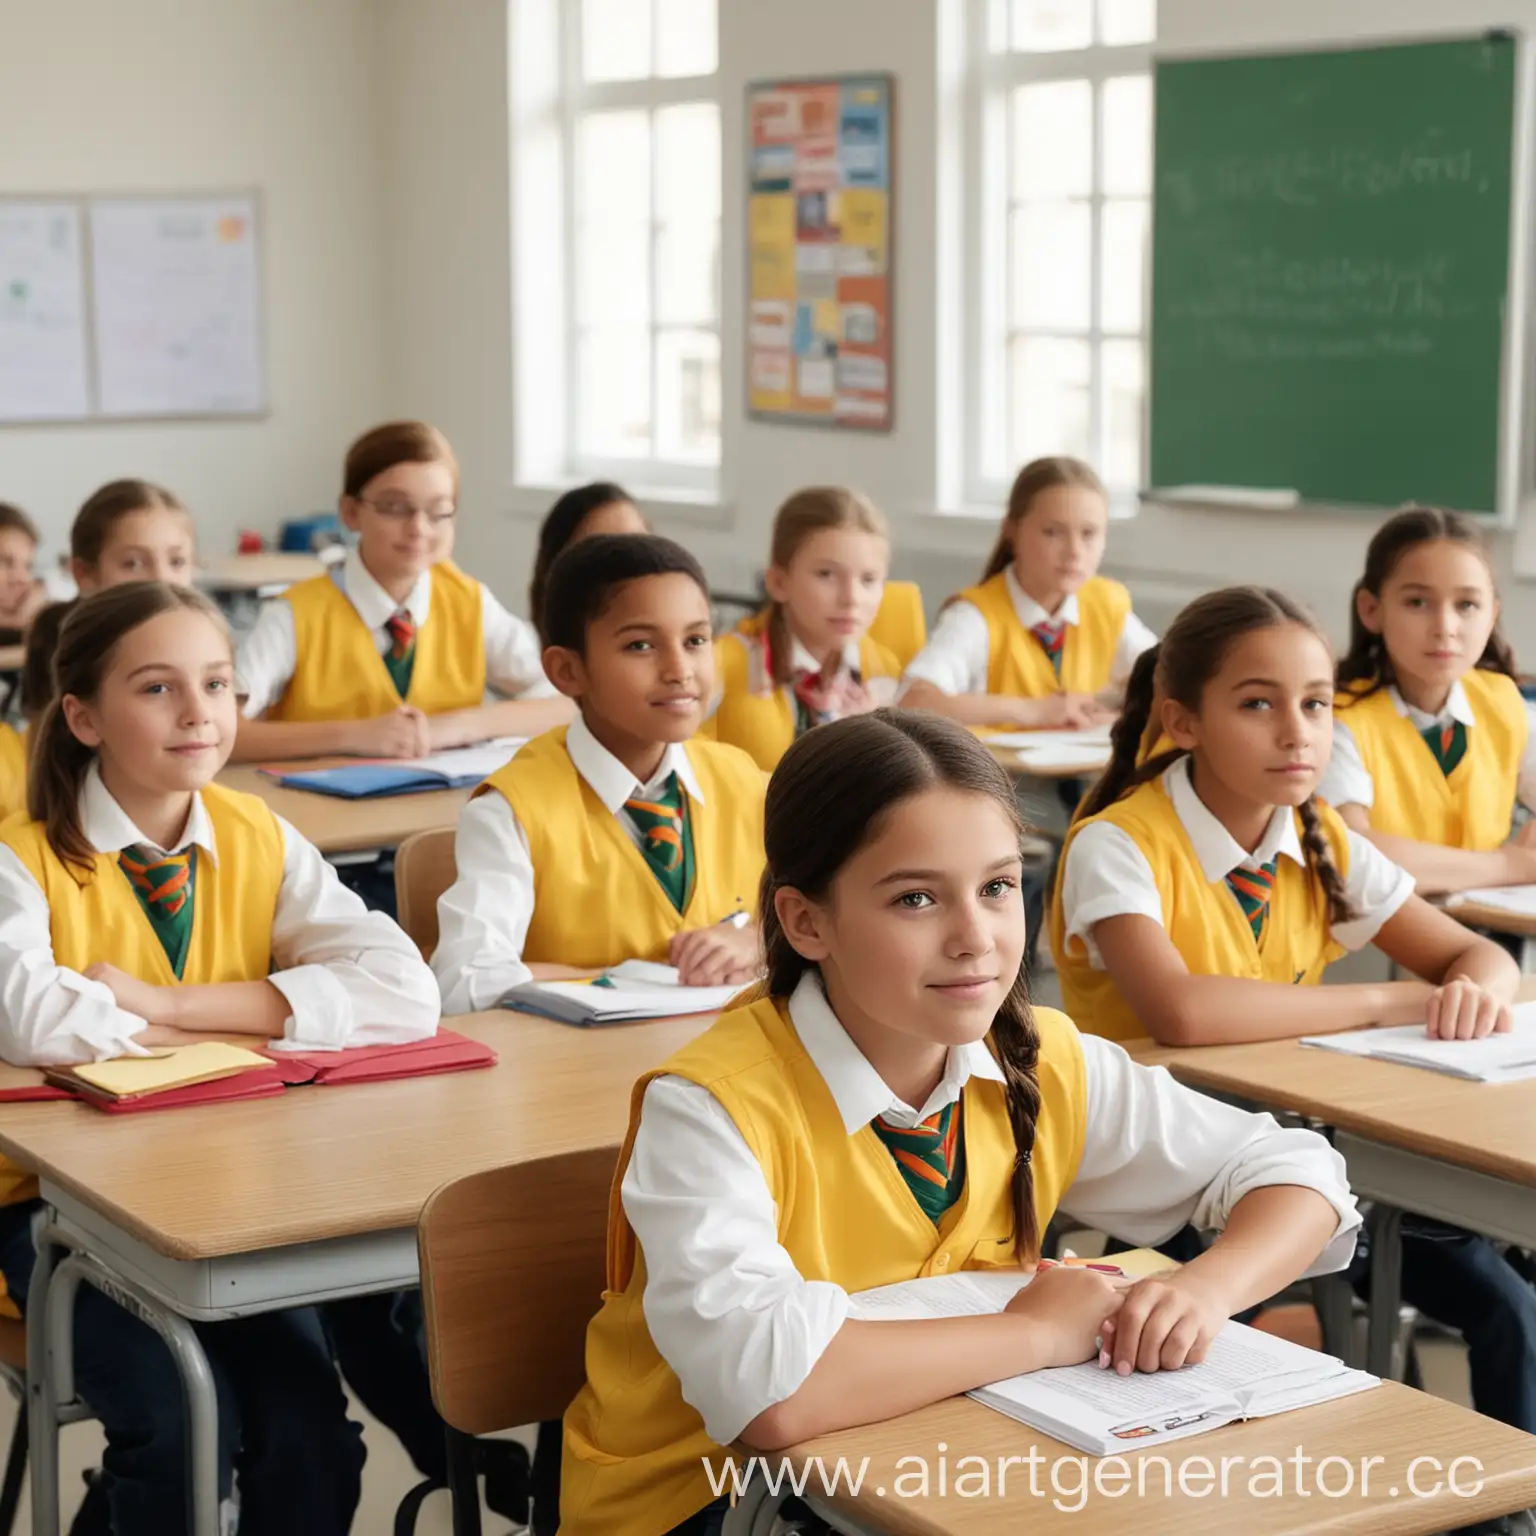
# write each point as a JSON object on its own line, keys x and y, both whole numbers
{"x": 133, "y": 1076}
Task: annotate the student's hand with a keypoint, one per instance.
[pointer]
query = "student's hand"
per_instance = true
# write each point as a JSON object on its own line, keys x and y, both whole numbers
{"x": 1070, "y": 1308}
{"x": 718, "y": 956}
{"x": 1165, "y": 1322}
{"x": 1057, "y": 712}
{"x": 403, "y": 732}
{"x": 133, "y": 996}
{"x": 1462, "y": 1010}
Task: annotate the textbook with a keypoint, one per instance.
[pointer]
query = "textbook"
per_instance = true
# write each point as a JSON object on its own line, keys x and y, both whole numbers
{"x": 460, "y": 769}
{"x": 616, "y": 998}
{"x": 1507, "y": 1058}
{"x": 1246, "y": 1374}
{"x": 140, "y": 1077}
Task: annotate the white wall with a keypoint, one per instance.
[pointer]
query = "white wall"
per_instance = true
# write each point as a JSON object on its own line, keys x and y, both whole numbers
{"x": 199, "y": 95}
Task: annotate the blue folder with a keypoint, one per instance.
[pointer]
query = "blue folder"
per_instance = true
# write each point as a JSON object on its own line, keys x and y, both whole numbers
{"x": 376, "y": 781}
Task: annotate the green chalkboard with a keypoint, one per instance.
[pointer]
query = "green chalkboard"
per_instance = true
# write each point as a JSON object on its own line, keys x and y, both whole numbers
{"x": 1330, "y": 266}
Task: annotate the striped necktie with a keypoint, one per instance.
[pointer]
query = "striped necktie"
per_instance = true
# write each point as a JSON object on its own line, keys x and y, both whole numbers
{"x": 1052, "y": 635}
{"x": 1448, "y": 744}
{"x": 164, "y": 884}
{"x": 930, "y": 1156}
{"x": 1253, "y": 888}
{"x": 400, "y": 658}
{"x": 666, "y": 840}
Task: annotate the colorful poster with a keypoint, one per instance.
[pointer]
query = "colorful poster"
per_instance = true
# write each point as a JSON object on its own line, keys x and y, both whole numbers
{"x": 819, "y": 234}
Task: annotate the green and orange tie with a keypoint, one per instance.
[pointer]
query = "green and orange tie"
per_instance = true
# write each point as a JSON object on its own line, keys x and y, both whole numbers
{"x": 666, "y": 839}
{"x": 1448, "y": 743}
{"x": 1253, "y": 888}
{"x": 164, "y": 884}
{"x": 1052, "y": 635}
{"x": 400, "y": 658}
{"x": 931, "y": 1157}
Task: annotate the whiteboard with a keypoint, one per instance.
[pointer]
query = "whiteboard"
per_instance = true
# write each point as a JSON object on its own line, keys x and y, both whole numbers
{"x": 44, "y": 368}
{"x": 176, "y": 285}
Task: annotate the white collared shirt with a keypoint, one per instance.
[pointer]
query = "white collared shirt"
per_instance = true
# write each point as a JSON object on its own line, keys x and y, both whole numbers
{"x": 483, "y": 917}
{"x": 350, "y": 976}
{"x": 742, "y": 1328}
{"x": 1107, "y": 875}
{"x": 879, "y": 690}
{"x": 956, "y": 655}
{"x": 1347, "y": 781}
{"x": 269, "y": 654}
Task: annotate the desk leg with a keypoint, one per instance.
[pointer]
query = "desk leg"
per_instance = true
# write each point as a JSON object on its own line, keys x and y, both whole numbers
{"x": 1386, "y": 1291}
{"x": 42, "y": 1404}
{"x": 754, "y": 1512}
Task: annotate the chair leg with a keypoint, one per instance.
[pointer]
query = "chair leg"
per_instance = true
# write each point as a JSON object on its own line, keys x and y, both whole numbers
{"x": 409, "y": 1509}
{"x": 15, "y": 1473}
{"x": 463, "y": 1483}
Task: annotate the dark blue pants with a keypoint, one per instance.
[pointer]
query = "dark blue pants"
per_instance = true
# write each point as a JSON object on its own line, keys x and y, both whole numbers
{"x": 283, "y": 1422}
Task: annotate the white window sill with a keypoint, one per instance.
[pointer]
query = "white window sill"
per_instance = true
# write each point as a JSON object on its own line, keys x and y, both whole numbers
{"x": 664, "y": 505}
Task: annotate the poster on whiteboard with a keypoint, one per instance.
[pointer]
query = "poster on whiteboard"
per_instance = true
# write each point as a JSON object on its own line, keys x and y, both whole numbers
{"x": 177, "y": 289}
{"x": 44, "y": 367}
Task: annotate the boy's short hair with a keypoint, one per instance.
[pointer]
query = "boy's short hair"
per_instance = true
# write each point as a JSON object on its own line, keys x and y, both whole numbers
{"x": 14, "y": 517}
{"x": 583, "y": 580}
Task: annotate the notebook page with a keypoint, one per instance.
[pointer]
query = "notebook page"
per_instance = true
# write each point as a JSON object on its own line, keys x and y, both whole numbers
{"x": 152, "y": 1074}
{"x": 1494, "y": 1058}
{"x": 974, "y": 1293}
{"x": 480, "y": 761}
{"x": 1082, "y": 743}
{"x": 1518, "y": 899}
{"x": 636, "y": 1002}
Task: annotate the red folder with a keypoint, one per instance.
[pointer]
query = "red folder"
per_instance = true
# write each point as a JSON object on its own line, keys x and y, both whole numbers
{"x": 33, "y": 1093}
{"x": 257, "y": 1083}
{"x": 445, "y": 1051}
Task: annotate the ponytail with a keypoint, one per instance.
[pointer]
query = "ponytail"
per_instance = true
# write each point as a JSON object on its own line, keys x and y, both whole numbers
{"x": 1129, "y": 738}
{"x": 57, "y": 764}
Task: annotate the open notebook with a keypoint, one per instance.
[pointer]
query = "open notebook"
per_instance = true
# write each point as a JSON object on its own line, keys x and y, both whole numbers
{"x": 1246, "y": 1375}
{"x": 1506, "y": 1058}
{"x": 627, "y": 994}
{"x": 1517, "y": 900}
{"x": 1057, "y": 749}
{"x": 461, "y": 769}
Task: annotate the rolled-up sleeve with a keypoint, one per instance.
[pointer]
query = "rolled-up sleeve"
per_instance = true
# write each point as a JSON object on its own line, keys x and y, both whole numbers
{"x": 1158, "y": 1156}
{"x": 726, "y": 1307}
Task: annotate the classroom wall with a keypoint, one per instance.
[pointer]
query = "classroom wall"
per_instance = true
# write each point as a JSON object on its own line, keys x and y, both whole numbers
{"x": 163, "y": 95}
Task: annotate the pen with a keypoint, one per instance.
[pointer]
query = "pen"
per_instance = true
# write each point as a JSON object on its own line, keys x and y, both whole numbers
{"x": 737, "y": 919}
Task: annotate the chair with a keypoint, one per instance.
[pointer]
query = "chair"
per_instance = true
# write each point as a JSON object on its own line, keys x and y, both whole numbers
{"x": 13, "y": 1372}
{"x": 900, "y": 625}
{"x": 424, "y": 868}
{"x": 513, "y": 1266}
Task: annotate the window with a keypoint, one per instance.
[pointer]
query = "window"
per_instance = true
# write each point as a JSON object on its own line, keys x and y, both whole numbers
{"x": 1060, "y": 194}
{"x": 641, "y": 130}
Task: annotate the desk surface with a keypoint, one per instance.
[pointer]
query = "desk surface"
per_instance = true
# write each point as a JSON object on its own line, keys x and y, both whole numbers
{"x": 1392, "y": 1422}
{"x": 251, "y": 573}
{"x": 334, "y": 1162}
{"x": 1014, "y": 764}
{"x": 349, "y": 826}
{"x": 1496, "y": 919}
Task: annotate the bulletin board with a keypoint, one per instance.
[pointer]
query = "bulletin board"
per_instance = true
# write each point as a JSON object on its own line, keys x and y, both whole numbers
{"x": 819, "y": 227}
{"x": 130, "y": 308}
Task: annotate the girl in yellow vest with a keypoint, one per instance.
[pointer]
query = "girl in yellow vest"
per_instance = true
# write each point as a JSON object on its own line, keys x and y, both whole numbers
{"x": 1043, "y": 635}
{"x": 1204, "y": 892}
{"x": 891, "y": 1107}
{"x": 390, "y": 652}
{"x": 1432, "y": 743}
{"x": 617, "y": 838}
{"x": 808, "y": 657}
{"x": 143, "y": 905}
{"x": 601, "y": 507}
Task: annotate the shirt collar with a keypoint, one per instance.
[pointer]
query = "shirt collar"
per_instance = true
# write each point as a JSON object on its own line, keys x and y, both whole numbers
{"x": 612, "y": 782}
{"x": 1218, "y": 851}
{"x": 374, "y": 605}
{"x": 1458, "y": 708}
{"x": 1030, "y": 612}
{"x": 109, "y": 829}
{"x": 801, "y": 659}
{"x": 857, "y": 1089}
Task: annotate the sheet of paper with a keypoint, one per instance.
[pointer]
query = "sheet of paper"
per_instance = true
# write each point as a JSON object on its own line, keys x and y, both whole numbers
{"x": 640, "y": 1002}
{"x": 44, "y": 374}
{"x": 482, "y": 760}
{"x": 974, "y": 1293}
{"x": 189, "y": 1063}
{"x": 1500, "y": 1058}
{"x": 1518, "y": 899}
{"x": 1095, "y": 737}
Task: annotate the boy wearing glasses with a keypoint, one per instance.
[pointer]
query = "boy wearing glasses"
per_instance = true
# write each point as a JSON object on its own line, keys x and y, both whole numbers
{"x": 389, "y": 653}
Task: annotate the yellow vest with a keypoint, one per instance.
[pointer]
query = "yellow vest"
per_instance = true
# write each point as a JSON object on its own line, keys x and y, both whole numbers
{"x": 340, "y": 674}
{"x": 1204, "y": 921}
{"x": 845, "y": 1215}
{"x": 13, "y": 772}
{"x": 1016, "y": 661}
{"x": 1412, "y": 797}
{"x": 234, "y": 904}
{"x": 595, "y": 900}
{"x": 755, "y": 715}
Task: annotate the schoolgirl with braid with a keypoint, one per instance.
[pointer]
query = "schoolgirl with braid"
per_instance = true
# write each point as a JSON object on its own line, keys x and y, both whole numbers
{"x": 889, "y": 1106}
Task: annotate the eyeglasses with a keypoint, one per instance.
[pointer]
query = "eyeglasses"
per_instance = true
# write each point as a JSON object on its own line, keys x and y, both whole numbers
{"x": 436, "y": 513}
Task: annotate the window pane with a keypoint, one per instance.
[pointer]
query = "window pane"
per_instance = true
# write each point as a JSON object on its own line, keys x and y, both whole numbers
{"x": 1127, "y": 21}
{"x": 688, "y": 396}
{"x": 1124, "y": 236}
{"x": 614, "y": 394}
{"x": 688, "y": 274}
{"x": 613, "y": 264}
{"x": 1048, "y": 405}
{"x": 1052, "y": 266}
{"x": 1053, "y": 140}
{"x": 1128, "y": 136}
{"x": 613, "y": 165}
{"x": 688, "y": 163}
{"x": 615, "y": 39}
{"x": 1047, "y": 26}
{"x": 1122, "y": 413}
{"x": 687, "y": 38}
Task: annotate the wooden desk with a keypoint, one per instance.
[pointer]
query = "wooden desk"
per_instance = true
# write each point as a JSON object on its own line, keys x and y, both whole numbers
{"x": 1392, "y": 1422}
{"x": 257, "y": 573}
{"x": 349, "y": 826}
